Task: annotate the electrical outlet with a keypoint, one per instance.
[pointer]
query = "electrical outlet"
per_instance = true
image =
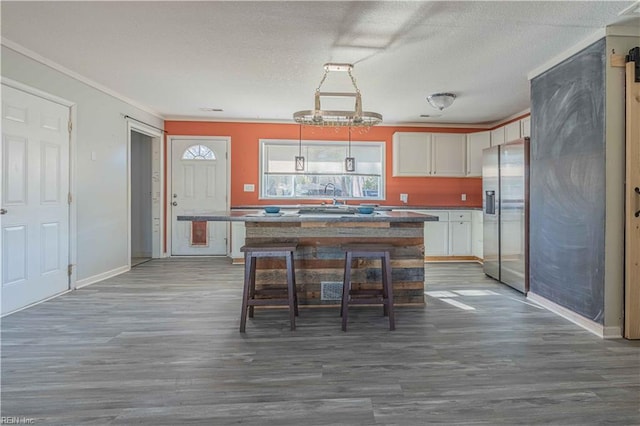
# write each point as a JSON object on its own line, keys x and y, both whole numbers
{"x": 404, "y": 198}
{"x": 463, "y": 197}
{"x": 249, "y": 187}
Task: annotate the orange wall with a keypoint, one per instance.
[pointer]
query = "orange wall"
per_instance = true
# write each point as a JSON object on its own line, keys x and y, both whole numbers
{"x": 423, "y": 191}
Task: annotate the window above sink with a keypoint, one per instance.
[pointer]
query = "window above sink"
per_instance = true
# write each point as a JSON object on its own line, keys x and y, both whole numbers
{"x": 324, "y": 176}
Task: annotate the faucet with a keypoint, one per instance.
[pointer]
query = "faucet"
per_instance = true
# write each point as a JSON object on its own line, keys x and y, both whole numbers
{"x": 333, "y": 187}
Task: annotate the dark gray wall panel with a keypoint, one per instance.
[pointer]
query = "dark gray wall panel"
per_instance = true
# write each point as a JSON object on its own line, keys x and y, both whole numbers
{"x": 567, "y": 204}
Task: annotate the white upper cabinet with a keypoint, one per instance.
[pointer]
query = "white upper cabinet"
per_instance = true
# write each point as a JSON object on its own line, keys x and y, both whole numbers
{"x": 448, "y": 154}
{"x": 512, "y": 131}
{"x": 525, "y": 127}
{"x": 411, "y": 154}
{"x": 476, "y": 142}
{"x": 497, "y": 136}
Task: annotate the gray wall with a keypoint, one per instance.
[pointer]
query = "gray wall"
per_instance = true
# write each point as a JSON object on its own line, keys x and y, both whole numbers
{"x": 567, "y": 205}
{"x": 101, "y": 184}
{"x": 141, "y": 214}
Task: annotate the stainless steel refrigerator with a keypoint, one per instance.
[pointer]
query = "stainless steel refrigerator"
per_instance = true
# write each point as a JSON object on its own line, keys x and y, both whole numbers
{"x": 505, "y": 204}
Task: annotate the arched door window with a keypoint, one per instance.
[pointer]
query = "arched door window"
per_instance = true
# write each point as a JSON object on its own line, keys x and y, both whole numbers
{"x": 198, "y": 152}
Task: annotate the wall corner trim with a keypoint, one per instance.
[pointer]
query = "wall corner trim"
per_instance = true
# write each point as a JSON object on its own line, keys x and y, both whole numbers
{"x": 100, "y": 277}
{"x": 600, "y": 33}
{"x": 591, "y": 326}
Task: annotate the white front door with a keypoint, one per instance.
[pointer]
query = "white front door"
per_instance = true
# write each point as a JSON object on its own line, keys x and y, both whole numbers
{"x": 35, "y": 177}
{"x": 198, "y": 186}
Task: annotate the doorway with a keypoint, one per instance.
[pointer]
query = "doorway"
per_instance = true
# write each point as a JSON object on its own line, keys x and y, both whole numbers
{"x": 145, "y": 193}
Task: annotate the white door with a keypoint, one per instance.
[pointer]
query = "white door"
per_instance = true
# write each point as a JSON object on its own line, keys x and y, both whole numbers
{"x": 198, "y": 186}
{"x": 35, "y": 176}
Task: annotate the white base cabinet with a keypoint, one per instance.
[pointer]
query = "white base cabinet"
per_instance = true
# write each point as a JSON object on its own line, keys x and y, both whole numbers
{"x": 237, "y": 240}
{"x": 455, "y": 234}
{"x": 460, "y": 233}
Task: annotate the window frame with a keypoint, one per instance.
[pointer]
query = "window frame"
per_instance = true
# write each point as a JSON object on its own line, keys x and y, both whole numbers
{"x": 381, "y": 145}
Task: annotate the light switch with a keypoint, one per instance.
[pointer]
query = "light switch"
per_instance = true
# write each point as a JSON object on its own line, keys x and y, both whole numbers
{"x": 404, "y": 198}
{"x": 249, "y": 187}
{"x": 463, "y": 197}
{"x": 94, "y": 156}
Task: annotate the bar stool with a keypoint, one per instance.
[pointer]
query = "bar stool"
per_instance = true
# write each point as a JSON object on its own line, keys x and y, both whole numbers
{"x": 250, "y": 295}
{"x": 384, "y": 296}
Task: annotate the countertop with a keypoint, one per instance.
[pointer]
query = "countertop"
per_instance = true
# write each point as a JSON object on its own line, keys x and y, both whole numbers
{"x": 292, "y": 216}
{"x": 379, "y": 207}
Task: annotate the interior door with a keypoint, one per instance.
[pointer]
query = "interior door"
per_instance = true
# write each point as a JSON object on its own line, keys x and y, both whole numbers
{"x": 198, "y": 186}
{"x": 35, "y": 177}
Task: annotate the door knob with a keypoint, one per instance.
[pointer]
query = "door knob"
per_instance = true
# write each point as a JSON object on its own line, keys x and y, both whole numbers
{"x": 3, "y": 211}
{"x": 175, "y": 203}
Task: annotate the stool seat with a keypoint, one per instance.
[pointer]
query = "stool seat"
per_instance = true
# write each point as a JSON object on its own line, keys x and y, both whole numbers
{"x": 383, "y": 296}
{"x": 250, "y": 294}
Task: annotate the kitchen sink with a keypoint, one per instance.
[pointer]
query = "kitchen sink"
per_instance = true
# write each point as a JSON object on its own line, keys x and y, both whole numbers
{"x": 326, "y": 210}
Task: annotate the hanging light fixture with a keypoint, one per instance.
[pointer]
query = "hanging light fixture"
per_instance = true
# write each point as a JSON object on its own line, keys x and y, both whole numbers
{"x": 441, "y": 100}
{"x": 320, "y": 117}
{"x": 299, "y": 157}
{"x": 350, "y": 162}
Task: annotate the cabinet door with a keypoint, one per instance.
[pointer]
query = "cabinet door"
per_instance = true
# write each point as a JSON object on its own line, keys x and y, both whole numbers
{"x": 436, "y": 234}
{"x": 460, "y": 238}
{"x": 449, "y": 154}
{"x": 411, "y": 154}
{"x": 497, "y": 136}
{"x": 237, "y": 239}
{"x": 525, "y": 127}
{"x": 512, "y": 131}
{"x": 476, "y": 142}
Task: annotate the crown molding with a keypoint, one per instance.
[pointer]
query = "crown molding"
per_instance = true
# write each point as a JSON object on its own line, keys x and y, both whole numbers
{"x": 588, "y": 41}
{"x": 57, "y": 67}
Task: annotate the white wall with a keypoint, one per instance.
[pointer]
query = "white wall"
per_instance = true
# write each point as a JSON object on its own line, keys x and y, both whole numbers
{"x": 101, "y": 184}
{"x": 141, "y": 214}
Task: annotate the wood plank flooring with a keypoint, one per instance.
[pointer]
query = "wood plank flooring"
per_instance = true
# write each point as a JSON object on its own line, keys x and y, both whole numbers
{"x": 160, "y": 345}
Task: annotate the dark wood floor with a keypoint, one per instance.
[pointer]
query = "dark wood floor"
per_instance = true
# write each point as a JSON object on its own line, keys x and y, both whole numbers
{"x": 160, "y": 346}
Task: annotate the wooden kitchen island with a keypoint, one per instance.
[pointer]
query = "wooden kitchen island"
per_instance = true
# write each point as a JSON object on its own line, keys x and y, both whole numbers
{"x": 319, "y": 260}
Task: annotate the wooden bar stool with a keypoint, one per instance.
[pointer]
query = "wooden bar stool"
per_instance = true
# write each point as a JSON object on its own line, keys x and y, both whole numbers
{"x": 384, "y": 296}
{"x": 250, "y": 295}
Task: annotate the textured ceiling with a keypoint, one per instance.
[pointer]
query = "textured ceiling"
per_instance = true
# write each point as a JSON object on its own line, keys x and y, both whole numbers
{"x": 263, "y": 60}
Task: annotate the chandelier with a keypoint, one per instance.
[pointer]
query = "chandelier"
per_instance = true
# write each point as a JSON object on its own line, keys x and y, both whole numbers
{"x": 335, "y": 118}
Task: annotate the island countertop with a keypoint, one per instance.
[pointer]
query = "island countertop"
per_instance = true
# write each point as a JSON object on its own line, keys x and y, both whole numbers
{"x": 293, "y": 216}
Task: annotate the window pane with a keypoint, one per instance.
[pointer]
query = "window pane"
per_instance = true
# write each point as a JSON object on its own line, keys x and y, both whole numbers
{"x": 198, "y": 152}
{"x": 324, "y": 176}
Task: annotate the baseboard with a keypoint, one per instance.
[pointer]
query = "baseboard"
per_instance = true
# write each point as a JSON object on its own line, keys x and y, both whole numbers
{"x": 237, "y": 260}
{"x": 452, "y": 259}
{"x": 100, "y": 277}
{"x": 589, "y": 325}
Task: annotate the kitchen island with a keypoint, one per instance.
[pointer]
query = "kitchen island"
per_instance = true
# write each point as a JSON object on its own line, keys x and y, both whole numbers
{"x": 319, "y": 260}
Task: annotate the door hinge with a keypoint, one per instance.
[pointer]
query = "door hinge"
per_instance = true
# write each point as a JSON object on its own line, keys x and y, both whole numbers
{"x": 70, "y": 125}
{"x": 226, "y": 155}
{"x": 69, "y": 198}
{"x": 69, "y": 270}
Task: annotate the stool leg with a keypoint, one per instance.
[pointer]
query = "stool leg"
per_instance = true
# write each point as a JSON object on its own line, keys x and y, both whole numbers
{"x": 385, "y": 291}
{"x": 291, "y": 291}
{"x": 295, "y": 286}
{"x": 245, "y": 292}
{"x": 252, "y": 282}
{"x": 386, "y": 268}
{"x": 346, "y": 290}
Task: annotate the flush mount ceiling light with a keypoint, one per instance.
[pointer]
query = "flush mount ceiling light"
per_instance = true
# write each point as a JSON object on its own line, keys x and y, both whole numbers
{"x": 441, "y": 100}
{"x": 320, "y": 117}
